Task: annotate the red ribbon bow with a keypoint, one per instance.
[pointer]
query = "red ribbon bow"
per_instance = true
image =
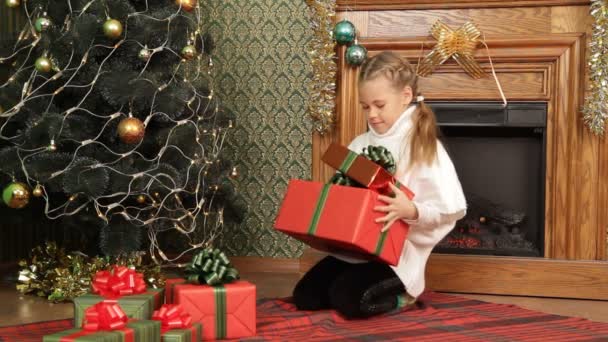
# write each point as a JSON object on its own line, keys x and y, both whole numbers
{"x": 172, "y": 316}
{"x": 105, "y": 315}
{"x": 120, "y": 281}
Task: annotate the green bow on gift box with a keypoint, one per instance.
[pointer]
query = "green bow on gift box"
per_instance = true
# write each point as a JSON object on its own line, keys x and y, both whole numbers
{"x": 378, "y": 154}
{"x": 212, "y": 267}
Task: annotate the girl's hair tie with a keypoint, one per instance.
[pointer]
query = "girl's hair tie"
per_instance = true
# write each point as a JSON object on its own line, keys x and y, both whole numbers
{"x": 419, "y": 98}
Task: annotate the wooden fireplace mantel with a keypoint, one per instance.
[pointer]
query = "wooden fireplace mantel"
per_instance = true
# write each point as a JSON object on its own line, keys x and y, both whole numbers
{"x": 548, "y": 67}
{"x": 535, "y": 68}
{"x": 378, "y": 5}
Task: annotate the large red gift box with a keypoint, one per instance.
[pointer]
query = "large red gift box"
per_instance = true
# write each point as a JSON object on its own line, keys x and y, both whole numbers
{"x": 225, "y": 311}
{"x": 340, "y": 219}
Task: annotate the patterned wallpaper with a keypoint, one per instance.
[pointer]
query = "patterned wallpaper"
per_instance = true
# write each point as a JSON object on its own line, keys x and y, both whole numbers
{"x": 262, "y": 71}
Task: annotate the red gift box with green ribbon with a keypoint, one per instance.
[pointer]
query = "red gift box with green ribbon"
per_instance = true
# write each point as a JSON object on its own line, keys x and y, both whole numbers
{"x": 369, "y": 169}
{"x": 107, "y": 322}
{"x": 341, "y": 219}
{"x": 124, "y": 285}
{"x": 212, "y": 294}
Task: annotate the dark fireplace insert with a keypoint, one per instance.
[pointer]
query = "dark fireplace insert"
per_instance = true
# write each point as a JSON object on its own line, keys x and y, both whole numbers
{"x": 499, "y": 155}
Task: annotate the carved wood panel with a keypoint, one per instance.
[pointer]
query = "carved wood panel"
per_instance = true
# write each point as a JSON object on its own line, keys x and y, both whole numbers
{"x": 416, "y": 23}
{"x": 358, "y": 5}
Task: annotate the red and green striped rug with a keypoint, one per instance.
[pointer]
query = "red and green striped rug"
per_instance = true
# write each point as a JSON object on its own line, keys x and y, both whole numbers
{"x": 437, "y": 317}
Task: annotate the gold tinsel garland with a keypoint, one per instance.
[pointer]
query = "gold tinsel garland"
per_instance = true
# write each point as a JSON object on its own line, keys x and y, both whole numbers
{"x": 58, "y": 276}
{"x": 595, "y": 109}
{"x": 322, "y": 87}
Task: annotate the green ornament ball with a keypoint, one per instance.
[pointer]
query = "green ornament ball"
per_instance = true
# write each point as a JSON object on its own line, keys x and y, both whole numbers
{"x": 43, "y": 64}
{"x": 42, "y": 24}
{"x": 112, "y": 28}
{"x": 144, "y": 54}
{"x": 16, "y": 195}
{"x": 344, "y": 32}
{"x": 356, "y": 54}
{"x": 12, "y": 3}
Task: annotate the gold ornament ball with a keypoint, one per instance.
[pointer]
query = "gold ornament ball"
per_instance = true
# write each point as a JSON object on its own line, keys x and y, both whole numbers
{"x": 141, "y": 199}
{"x": 189, "y": 52}
{"x": 187, "y": 5}
{"x": 16, "y": 195}
{"x": 43, "y": 64}
{"x": 37, "y": 192}
{"x": 13, "y": 3}
{"x": 131, "y": 130}
{"x": 112, "y": 28}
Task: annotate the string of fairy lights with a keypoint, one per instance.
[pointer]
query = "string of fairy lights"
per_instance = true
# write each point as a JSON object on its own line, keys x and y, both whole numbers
{"x": 157, "y": 213}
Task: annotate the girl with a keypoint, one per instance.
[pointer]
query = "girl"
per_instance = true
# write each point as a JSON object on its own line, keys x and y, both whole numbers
{"x": 399, "y": 120}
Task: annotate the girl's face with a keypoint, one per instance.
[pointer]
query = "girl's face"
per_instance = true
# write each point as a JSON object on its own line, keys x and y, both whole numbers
{"x": 382, "y": 102}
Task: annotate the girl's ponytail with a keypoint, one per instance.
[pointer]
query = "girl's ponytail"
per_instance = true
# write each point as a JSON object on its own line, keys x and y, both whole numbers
{"x": 423, "y": 144}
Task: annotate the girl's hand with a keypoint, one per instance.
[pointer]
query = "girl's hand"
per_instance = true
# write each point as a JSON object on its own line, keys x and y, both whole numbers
{"x": 398, "y": 207}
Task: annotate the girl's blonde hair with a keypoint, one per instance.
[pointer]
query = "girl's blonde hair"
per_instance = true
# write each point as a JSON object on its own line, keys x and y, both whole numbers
{"x": 423, "y": 143}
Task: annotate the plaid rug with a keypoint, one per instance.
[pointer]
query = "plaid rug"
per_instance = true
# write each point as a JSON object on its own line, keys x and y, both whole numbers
{"x": 437, "y": 317}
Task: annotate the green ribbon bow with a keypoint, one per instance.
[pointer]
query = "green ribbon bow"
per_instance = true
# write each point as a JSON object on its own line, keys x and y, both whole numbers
{"x": 381, "y": 156}
{"x": 212, "y": 267}
{"x": 378, "y": 154}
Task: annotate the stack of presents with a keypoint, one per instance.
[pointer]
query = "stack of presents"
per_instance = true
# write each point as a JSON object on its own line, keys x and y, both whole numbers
{"x": 210, "y": 302}
{"x": 341, "y": 219}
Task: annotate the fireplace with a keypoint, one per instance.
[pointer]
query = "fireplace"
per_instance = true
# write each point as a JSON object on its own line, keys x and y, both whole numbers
{"x": 499, "y": 155}
{"x": 544, "y": 68}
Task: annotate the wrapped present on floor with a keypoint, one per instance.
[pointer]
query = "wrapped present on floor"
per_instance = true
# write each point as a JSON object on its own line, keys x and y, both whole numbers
{"x": 176, "y": 324}
{"x": 341, "y": 219}
{"x": 124, "y": 285}
{"x": 214, "y": 297}
{"x": 107, "y": 322}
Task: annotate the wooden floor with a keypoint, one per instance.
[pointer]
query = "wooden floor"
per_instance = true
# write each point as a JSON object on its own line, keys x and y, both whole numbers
{"x": 17, "y": 309}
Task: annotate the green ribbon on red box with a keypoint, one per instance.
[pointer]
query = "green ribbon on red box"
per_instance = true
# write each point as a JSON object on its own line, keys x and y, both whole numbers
{"x": 381, "y": 156}
{"x": 212, "y": 267}
{"x": 380, "y": 181}
{"x": 221, "y": 327}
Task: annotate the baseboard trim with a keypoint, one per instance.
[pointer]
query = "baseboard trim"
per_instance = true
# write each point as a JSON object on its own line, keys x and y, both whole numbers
{"x": 538, "y": 277}
{"x": 479, "y": 274}
{"x": 266, "y": 264}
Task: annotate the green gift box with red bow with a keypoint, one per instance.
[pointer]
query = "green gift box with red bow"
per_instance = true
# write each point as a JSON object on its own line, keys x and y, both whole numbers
{"x": 107, "y": 322}
{"x": 341, "y": 219}
{"x": 214, "y": 296}
{"x": 124, "y": 285}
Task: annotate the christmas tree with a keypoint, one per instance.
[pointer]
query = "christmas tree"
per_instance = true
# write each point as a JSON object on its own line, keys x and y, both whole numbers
{"x": 109, "y": 121}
